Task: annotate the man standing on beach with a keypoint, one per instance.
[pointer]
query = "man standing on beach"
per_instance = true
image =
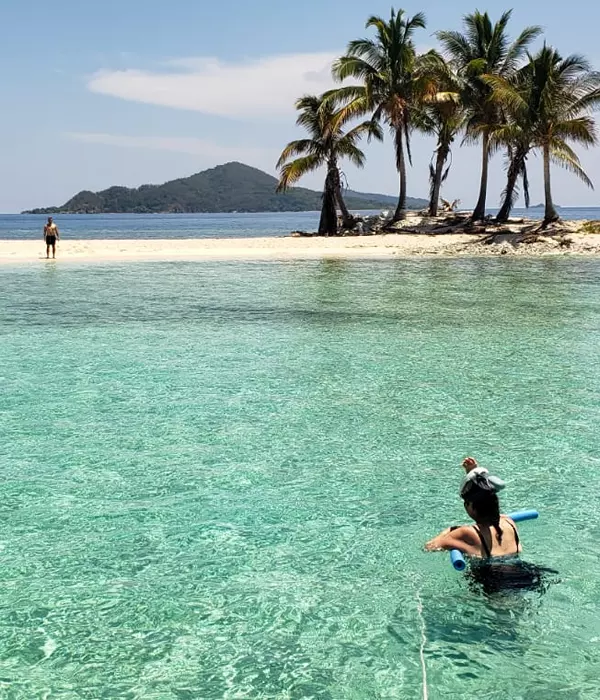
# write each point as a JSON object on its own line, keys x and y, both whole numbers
{"x": 51, "y": 235}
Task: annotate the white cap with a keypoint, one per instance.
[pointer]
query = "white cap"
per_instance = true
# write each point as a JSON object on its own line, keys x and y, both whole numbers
{"x": 482, "y": 476}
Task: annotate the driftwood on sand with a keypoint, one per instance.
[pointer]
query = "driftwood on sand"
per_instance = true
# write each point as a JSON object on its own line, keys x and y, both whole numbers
{"x": 516, "y": 236}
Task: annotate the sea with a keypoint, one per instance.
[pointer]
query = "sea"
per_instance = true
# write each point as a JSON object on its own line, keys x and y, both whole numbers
{"x": 165, "y": 226}
{"x": 218, "y": 477}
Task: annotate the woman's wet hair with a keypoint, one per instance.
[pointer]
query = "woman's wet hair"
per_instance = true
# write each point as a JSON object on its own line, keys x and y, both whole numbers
{"x": 481, "y": 495}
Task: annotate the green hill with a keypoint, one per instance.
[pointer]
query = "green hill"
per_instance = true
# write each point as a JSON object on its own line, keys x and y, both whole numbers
{"x": 233, "y": 187}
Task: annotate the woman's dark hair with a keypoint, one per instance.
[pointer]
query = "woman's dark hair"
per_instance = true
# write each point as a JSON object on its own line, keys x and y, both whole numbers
{"x": 482, "y": 496}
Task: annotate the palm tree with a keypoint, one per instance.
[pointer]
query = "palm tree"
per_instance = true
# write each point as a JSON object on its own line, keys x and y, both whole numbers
{"x": 484, "y": 49}
{"x": 441, "y": 115}
{"x": 549, "y": 104}
{"x": 327, "y": 145}
{"x": 516, "y": 158}
{"x": 393, "y": 80}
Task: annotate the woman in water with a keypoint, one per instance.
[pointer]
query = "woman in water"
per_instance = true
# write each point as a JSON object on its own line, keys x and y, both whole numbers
{"x": 493, "y": 535}
{"x": 492, "y": 544}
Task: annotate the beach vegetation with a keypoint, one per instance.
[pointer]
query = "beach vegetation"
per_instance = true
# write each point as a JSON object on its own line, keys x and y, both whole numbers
{"x": 393, "y": 81}
{"x": 592, "y": 226}
{"x": 484, "y": 49}
{"x": 548, "y": 104}
{"x": 441, "y": 114}
{"x": 325, "y": 121}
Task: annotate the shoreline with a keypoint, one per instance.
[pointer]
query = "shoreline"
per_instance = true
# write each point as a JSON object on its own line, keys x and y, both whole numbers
{"x": 382, "y": 246}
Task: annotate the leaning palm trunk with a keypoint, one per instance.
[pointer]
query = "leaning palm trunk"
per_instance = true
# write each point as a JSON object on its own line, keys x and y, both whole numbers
{"x": 401, "y": 166}
{"x": 328, "y": 220}
{"x": 550, "y": 214}
{"x": 348, "y": 220}
{"x": 479, "y": 212}
{"x": 514, "y": 170}
{"x": 440, "y": 161}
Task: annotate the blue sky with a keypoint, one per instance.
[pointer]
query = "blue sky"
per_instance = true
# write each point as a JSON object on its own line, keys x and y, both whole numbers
{"x": 131, "y": 92}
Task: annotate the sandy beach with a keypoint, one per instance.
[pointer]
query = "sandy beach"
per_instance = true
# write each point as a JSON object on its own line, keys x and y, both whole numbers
{"x": 294, "y": 248}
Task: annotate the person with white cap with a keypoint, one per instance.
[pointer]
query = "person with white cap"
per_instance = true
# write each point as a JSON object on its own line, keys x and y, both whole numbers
{"x": 492, "y": 543}
{"x": 493, "y": 534}
{"x": 473, "y": 469}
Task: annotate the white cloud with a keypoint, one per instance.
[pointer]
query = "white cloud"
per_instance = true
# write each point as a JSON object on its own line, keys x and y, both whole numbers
{"x": 263, "y": 88}
{"x": 207, "y": 149}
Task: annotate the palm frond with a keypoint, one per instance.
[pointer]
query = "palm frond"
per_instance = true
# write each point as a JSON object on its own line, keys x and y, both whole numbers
{"x": 573, "y": 66}
{"x": 587, "y": 98}
{"x": 424, "y": 122}
{"x": 418, "y": 21}
{"x": 350, "y": 109}
{"x": 563, "y": 147}
{"x": 378, "y": 22}
{"x": 432, "y": 63}
{"x": 518, "y": 49}
{"x": 290, "y": 173}
{"x": 296, "y": 148}
{"x": 455, "y": 46}
{"x": 369, "y": 52}
{"x": 510, "y": 134}
{"x": 505, "y": 93}
{"x": 309, "y": 117}
{"x": 352, "y": 67}
{"x": 349, "y": 150}
{"x": 475, "y": 67}
{"x": 581, "y": 130}
{"x": 570, "y": 163}
{"x": 344, "y": 95}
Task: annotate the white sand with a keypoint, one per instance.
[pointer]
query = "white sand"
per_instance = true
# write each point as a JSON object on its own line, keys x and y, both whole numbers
{"x": 283, "y": 248}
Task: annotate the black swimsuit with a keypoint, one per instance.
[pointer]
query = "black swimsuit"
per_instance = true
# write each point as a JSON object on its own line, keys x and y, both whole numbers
{"x": 507, "y": 572}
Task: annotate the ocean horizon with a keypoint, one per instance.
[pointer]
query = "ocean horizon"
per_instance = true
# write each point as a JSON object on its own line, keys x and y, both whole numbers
{"x": 225, "y": 225}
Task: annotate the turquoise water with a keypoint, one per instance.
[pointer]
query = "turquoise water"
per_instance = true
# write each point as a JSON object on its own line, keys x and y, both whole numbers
{"x": 217, "y": 478}
{"x": 134, "y": 226}
{"x": 148, "y": 226}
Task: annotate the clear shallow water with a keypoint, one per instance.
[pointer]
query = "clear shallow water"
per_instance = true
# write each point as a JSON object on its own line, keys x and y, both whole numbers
{"x": 218, "y": 477}
{"x": 132, "y": 226}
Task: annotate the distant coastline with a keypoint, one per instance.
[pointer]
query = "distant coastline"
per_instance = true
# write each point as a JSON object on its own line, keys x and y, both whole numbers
{"x": 227, "y": 189}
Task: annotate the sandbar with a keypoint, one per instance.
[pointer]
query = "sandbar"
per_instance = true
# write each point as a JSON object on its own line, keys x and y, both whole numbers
{"x": 386, "y": 246}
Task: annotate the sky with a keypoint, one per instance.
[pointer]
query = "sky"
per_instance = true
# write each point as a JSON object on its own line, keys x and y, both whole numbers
{"x": 130, "y": 92}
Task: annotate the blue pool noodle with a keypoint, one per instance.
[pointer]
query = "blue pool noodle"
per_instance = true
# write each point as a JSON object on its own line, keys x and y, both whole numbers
{"x": 456, "y": 557}
{"x": 524, "y": 515}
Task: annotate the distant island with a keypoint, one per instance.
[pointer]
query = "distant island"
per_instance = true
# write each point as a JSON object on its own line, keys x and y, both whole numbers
{"x": 233, "y": 187}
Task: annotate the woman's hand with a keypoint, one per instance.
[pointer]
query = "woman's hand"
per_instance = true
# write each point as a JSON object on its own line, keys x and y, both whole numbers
{"x": 435, "y": 545}
{"x": 432, "y": 546}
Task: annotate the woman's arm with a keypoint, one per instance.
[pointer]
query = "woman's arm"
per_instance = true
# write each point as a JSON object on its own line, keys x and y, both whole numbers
{"x": 432, "y": 545}
{"x": 461, "y": 538}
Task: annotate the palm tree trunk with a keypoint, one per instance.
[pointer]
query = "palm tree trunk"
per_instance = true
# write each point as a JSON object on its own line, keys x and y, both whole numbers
{"x": 348, "y": 220}
{"x": 328, "y": 220}
{"x": 550, "y": 214}
{"x": 440, "y": 161}
{"x": 401, "y": 167}
{"x": 515, "y": 167}
{"x": 479, "y": 212}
